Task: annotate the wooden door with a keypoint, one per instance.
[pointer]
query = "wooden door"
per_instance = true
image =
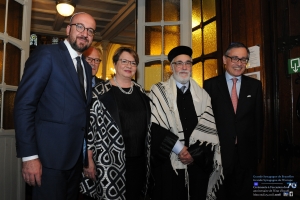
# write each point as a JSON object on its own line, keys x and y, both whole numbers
{"x": 286, "y": 89}
{"x": 15, "y": 16}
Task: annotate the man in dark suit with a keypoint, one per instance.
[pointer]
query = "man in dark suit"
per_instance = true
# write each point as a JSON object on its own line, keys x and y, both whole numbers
{"x": 93, "y": 57}
{"x": 51, "y": 112}
{"x": 238, "y": 111}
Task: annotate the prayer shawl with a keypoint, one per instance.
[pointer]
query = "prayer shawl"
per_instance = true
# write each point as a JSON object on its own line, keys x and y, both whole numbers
{"x": 107, "y": 144}
{"x": 165, "y": 114}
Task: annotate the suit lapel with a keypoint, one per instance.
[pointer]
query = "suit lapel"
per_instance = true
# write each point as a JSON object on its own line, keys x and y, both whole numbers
{"x": 245, "y": 88}
{"x": 88, "y": 75}
{"x": 68, "y": 63}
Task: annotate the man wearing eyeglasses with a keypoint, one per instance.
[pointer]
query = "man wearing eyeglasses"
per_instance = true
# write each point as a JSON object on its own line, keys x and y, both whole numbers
{"x": 93, "y": 57}
{"x": 51, "y": 113}
{"x": 238, "y": 108}
{"x": 186, "y": 160}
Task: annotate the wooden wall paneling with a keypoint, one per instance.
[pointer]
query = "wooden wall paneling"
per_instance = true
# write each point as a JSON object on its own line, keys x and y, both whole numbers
{"x": 284, "y": 114}
{"x": 289, "y": 139}
{"x": 254, "y": 33}
{"x": 286, "y": 127}
{"x": 239, "y": 27}
{"x": 294, "y": 29}
{"x": 284, "y": 107}
{"x": 294, "y": 19}
{"x": 219, "y": 37}
{"x": 250, "y": 21}
{"x": 267, "y": 54}
{"x": 226, "y": 24}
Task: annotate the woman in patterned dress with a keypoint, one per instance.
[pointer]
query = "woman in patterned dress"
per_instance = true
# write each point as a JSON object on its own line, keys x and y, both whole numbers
{"x": 118, "y": 137}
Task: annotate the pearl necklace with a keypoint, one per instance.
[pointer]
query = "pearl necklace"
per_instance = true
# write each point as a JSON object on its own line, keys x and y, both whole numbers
{"x": 123, "y": 91}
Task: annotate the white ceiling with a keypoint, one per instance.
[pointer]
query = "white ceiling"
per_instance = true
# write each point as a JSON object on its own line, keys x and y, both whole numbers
{"x": 115, "y": 19}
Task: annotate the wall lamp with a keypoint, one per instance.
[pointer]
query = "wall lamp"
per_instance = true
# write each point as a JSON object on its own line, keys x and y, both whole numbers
{"x": 65, "y": 7}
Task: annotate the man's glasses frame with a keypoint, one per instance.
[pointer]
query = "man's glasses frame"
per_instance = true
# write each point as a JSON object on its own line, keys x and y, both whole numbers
{"x": 179, "y": 64}
{"x": 80, "y": 28}
{"x": 90, "y": 60}
{"x": 235, "y": 59}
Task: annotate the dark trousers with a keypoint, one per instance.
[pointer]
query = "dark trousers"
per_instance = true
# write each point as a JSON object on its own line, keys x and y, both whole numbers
{"x": 237, "y": 183}
{"x": 198, "y": 182}
{"x": 135, "y": 177}
{"x": 59, "y": 184}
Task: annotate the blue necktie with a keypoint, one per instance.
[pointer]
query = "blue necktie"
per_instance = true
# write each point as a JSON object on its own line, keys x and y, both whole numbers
{"x": 182, "y": 89}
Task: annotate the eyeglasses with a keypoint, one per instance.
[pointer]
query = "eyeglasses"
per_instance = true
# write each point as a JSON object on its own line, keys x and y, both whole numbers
{"x": 125, "y": 62}
{"x": 90, "y": 60}
{"x": 179, "y": 64}
{"x": 236, "y": 59}
{"x": 80, "y": 28}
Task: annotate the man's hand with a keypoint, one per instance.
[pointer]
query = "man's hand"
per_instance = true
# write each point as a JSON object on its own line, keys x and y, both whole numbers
{"x": 32, "y": 172}
{"x": 90, "y": 171}
{"x": 185, "y": 157}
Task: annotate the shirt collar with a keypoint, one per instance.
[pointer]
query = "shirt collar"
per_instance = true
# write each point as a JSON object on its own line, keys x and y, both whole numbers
{"x": 72, "y": 52}
{"x": 179, "y": 85}
{"x": 93, "y": 81}
{"x": 229, "y": 77}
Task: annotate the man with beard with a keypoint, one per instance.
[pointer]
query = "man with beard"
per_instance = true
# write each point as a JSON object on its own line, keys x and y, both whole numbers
{"x": 51, "y": 112}
{"x": 185, "y": 151}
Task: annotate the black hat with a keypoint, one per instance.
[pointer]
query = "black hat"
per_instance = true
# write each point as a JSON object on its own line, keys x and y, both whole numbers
{"x": 178, "y": 51}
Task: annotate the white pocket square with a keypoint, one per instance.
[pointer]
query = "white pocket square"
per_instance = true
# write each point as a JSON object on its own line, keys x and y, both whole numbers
{"x": 249, "y": 96}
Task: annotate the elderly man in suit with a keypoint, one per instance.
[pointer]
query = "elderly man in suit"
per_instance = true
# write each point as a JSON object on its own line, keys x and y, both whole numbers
{"x": 51, "y": 112}
{"x": 238, "y": 108}
{"x": 93, "y": 57}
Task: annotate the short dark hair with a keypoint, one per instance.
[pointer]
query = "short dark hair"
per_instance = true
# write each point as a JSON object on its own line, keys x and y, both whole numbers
{"x": 236, "y": 45}
{"x": 120, "y": 50}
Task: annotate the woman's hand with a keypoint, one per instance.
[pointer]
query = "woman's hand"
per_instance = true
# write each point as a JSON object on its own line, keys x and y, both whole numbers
{"x": 90, "y": 171}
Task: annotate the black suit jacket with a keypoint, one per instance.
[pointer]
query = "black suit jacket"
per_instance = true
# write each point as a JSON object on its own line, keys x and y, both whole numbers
{"x": 246, "y": 123}
{"x": 97, "y": 80}
{"x": 50, "y": 112}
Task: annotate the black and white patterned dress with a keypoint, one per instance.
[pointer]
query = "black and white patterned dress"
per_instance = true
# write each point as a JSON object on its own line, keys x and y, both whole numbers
{"x": 112, "y": 152}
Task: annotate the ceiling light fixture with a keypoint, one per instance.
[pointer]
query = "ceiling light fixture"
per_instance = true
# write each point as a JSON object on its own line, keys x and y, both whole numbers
{"x": 65, "y": 7}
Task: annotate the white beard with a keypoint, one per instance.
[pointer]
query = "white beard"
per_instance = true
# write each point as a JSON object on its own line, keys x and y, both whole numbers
{"x": 180, "y": 79}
